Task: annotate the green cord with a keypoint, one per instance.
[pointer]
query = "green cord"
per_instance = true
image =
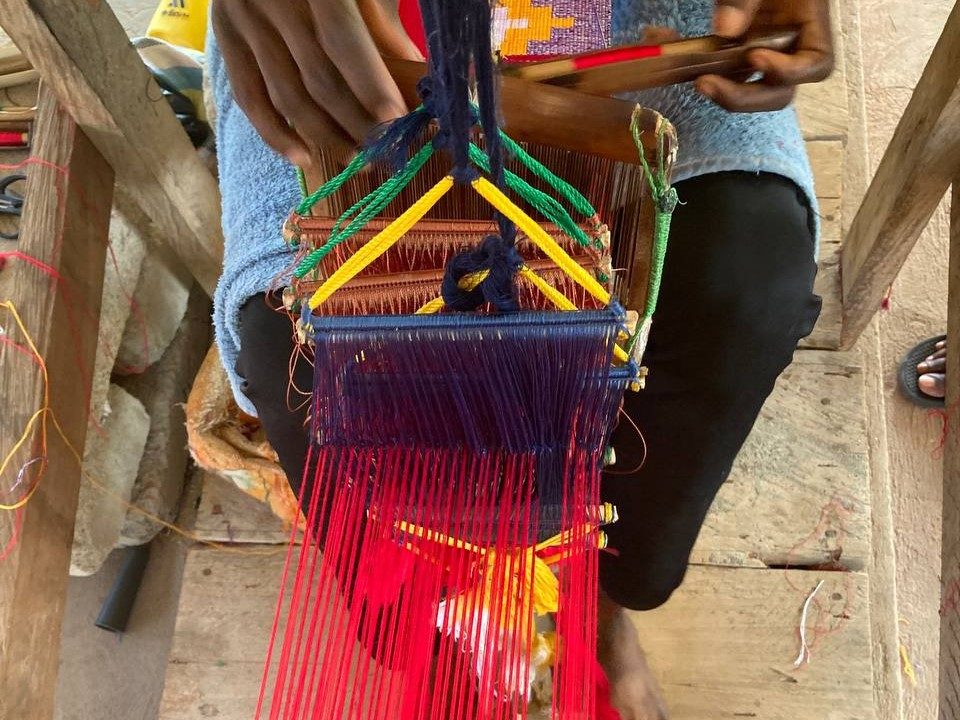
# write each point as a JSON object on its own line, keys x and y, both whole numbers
{"x": 547, "y": 205}
{"x": 335, "y": 183}
{"x": 331, "y": 185}
{"x": 372, "y": 205}
{"x": 566, "y": 190}
{"x": 302, "y": 182}
{"x": 665, "y": 201}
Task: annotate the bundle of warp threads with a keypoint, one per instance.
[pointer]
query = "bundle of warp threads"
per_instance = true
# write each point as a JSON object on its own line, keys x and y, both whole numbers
{"x": 456, "y": 456}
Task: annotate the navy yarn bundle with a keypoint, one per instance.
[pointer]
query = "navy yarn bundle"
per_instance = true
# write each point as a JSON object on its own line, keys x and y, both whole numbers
{"x": 460, "y": 51}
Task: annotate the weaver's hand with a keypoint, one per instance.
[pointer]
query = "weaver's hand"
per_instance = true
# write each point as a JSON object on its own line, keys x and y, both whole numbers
{"x": 811, "y": 62}
{"x": 309, "y": 73}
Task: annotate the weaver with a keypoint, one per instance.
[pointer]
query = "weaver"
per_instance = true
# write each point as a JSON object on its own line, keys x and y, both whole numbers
{"x": 464, "y": 390}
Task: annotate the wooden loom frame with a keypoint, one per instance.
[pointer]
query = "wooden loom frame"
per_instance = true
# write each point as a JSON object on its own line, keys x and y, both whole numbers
{"x": 99, "y": 115}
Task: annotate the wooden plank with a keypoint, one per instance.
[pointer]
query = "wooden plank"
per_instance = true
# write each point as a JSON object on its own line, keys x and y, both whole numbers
{"x": 950, "y": 552}
{"x": 725, "y": 644}
{"x": 884, "y": 611}
{"x": 217, "y": 657}
{"x": 229, "y": 515}
{"x": 85, "y": 57}
{"x": 65, "y": 225}
{"x": 799, "y": 491}
{"x": 826, "y": 159}
{"x": 913, "y": 175}
{"x": 822, "y": 109}
{"x": 822, "y": 106}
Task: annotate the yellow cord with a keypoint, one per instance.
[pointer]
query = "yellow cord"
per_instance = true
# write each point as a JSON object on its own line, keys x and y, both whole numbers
{"x": 541, "y": 239}
{"x": 380, "y": 243}
{"x": 561, "y": 301}
{"x": 467, "y": 282}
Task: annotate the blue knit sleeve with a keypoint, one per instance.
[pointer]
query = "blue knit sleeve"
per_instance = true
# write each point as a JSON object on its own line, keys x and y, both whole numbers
{"x": 711, "y": 139}
{"x": 258, "y": 188}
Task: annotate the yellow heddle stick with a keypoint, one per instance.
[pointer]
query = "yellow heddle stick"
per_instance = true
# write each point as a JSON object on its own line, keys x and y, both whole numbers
{"x": 380, "y": 243}
{"x": 541, "y": 239}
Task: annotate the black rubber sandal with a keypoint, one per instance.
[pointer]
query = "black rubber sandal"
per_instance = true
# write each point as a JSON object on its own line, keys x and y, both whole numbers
{"x": 909, "y": 377}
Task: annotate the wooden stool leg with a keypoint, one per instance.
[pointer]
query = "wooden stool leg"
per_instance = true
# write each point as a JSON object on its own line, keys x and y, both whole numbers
{"x": 65, "y": 226}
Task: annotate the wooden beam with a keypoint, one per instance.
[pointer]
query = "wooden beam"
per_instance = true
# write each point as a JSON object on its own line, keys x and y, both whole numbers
{"x": 917, "y": 168}
{"x": 550, "y": 115}
{"x": 85, "y": 57}
{"x": 65, "y": 225}
{"x": 950, "y": 552}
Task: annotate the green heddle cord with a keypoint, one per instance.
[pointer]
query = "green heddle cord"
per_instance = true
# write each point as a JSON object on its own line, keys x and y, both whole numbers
{"x": 566, "y": 190}
{"x": 665, "y": 201}
{"x": 334, "y": 183}
{"x": 302, "y": 182}
{"x": 368, "y": 207}
{"x": 331, "y": 185}
{"x": 374, "y": 203}
{"x": 548, "y": 206}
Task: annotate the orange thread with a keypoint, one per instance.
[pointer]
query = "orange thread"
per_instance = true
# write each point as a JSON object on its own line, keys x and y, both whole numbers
{"x": 42, "y": 415}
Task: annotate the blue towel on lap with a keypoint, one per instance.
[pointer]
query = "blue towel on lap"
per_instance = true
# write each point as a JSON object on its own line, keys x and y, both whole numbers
{"x": 259, "y": 188}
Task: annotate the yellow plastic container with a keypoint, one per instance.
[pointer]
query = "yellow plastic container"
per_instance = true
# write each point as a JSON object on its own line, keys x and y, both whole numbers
{"x": 180, "y": 22}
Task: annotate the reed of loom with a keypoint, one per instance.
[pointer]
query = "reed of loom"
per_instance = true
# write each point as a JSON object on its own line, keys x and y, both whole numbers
{"x": 469, "y": 365}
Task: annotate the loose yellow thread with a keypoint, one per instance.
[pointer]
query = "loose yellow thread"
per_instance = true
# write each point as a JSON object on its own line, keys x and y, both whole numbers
{"x": 908, "y": 668}
{"x": 42, "y": 415}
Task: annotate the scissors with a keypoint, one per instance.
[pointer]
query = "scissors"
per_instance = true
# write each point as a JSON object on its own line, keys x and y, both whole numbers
{"x": 11, "y": 203}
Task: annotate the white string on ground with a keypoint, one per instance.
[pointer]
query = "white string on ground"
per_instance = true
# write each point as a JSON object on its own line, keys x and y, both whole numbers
{"x": 804, "y": 655}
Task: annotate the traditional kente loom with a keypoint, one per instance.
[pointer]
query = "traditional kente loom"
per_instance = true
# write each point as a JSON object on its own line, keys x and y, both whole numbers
{"x": 469, "y": 368}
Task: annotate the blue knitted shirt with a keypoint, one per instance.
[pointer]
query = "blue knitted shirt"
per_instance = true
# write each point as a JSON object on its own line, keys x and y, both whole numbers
{"x": 259, "y": 188}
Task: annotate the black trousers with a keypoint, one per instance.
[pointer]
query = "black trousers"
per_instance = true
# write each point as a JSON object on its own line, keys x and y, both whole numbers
{"x": 736, "y": 298}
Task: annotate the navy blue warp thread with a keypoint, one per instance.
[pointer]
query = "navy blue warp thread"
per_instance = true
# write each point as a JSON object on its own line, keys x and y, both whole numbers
{"x": 458, "y": 39}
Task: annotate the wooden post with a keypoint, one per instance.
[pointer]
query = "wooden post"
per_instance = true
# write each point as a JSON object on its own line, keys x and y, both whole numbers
{"x": 85, "y": 57}
{"x": 950, "y": 553}
{"x": 65, "y": 226}
{"x": 917, "y": 169}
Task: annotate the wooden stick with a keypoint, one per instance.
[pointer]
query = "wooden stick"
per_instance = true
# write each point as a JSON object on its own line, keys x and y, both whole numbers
{"x": 65, "y": 225}
{"x": 12, "y": 61}
{"x": 84, "y": 55}
{"x": 555, "y": 116}
{"x": 607, "y": 72}
{"x": 950, "y": 552}
{"x": 917, "y": 168}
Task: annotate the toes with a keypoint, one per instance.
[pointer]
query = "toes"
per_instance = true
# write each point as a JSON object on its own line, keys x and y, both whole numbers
{"x": 932, "y": 384}
{"x": 933, "y": 365}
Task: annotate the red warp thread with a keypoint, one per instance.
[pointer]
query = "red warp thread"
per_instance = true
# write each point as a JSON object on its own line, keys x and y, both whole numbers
{"x": 604, "y": 706}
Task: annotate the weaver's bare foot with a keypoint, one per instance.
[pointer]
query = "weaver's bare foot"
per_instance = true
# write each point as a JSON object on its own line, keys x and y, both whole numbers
{"x": 634, "y": 692}
{"x": 932, "y": 372}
